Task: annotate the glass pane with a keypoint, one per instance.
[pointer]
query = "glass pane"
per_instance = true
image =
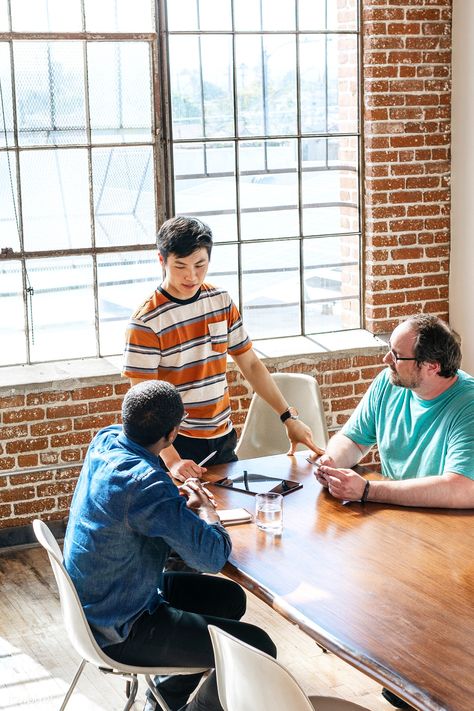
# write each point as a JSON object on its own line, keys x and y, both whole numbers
{"x": 4, "y": 20}
{"x": 125, "y": 280}
{"x": 331, "y": 283}
{"x": 6, "y": 102}
{"x": 9, "y": 229}
{"x": 278, "y": 14}
{"x": 266, "y": 83}
{"x": 55, "y": 199}
{"x": 12, "y": 325}
{"x": 312, "y": 14}
{"x": 313, "y": 78}
{"x": 205, "y": 185}
{"x": 247, "y": 15}
{"x": 46, "y": 16}
{"x": 199, "y": 15}
{"x": 63, "y": 323}
{"x": 120, "y": 91}
{"x": 342, "y": 84}
{"x": 268, "y": 189}
{"x": 254, "y": 15}
{"x": 50, "y": 92}
{"x": 124, "y": 196}
{"x": 330, "y": 185}
{"x": 201, "y": 86}
{"x": 271, "y": 292}
{"x": 119, "y": 15}
{"x": 223, "y": 270}
{"x": 343, "y": 15}
{"x": 327, "y": 14}
{"x": 182, "y": 14}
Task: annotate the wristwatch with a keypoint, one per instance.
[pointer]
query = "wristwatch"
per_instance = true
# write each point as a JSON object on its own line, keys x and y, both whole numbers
{"x": 291, "y": 413}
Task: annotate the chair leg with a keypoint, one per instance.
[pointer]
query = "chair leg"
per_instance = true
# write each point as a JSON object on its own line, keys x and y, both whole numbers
{"x": 156, "y": 693}
{"x": 131, "y": 691}
{"x": 73, "y": 684}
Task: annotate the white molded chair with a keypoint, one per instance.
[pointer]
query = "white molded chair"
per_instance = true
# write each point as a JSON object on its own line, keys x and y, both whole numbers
{"x": 80, "y": 635}
{"x": 263, "y": 434}
{"x": 250, "y": 679}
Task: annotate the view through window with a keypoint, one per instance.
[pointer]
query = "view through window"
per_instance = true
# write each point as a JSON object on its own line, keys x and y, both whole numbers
{"x": 244, "y": 113}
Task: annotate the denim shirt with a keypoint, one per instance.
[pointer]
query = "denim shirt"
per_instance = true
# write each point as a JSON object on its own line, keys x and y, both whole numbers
{"x": 125, "y": 516}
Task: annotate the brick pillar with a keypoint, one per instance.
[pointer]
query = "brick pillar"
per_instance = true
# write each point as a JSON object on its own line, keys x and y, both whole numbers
{"x": 407, "y": 104}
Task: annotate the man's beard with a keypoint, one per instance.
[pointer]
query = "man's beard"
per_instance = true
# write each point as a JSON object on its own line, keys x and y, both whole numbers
{"x": 410, "y": 382}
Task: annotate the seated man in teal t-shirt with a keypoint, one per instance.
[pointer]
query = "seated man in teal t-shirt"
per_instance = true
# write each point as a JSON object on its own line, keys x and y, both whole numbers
{"x": 420, "y": 413}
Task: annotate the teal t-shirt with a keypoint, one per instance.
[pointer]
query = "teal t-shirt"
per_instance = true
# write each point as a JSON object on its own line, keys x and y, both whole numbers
{"x": 416, "y": 437}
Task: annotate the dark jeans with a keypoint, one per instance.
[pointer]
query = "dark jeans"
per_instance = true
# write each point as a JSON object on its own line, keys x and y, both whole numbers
{"x": 196, "y": 449}
{"x": 177, "y": 635}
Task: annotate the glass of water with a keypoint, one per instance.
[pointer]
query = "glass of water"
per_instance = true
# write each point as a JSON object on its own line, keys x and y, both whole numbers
{"x": 269, "y": 512}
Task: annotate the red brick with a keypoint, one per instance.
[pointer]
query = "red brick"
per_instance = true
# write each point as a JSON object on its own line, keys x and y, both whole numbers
{"x": 13, "y": 431}
{"x": 24, "y": 415}
{"x": 26, "y": 445}
{"x": 70, "y": 455}
{"x": 49, "y": 458}
{"x": 12, "y": 401}
{"x": 34, "y": 507}
{"x": 349, "y": 403}
{"x": 112, "y": 405}
{"x": 27, "y": 460}
{"x": 46, "y": 428}
{"x": 89, "y": 393}
{"x": 94, "y": 422}
{"x": 405, "y": 310}
{"x": 72, "y": 438}
{"x": 5, "y": 513}
{"x": 64, "y": 411}
{"x": 19, "y": 493}
{"x": 69, "y": 473}
{"x": 45, "y": 398}
{"x": 56, "y": 488}
{"x": 121, "y": 388}
{"x": 64, "y": 502}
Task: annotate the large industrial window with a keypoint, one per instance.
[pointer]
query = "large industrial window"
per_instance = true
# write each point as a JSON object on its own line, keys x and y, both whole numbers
{"x": 116, "y": 115}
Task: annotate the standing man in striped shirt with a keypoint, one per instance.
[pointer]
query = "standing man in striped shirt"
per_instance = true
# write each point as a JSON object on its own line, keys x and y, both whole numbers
{"x": 182, "y": 334}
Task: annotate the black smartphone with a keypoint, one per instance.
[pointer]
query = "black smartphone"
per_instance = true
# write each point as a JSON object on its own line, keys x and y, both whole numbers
{"x": 251, "y": 483}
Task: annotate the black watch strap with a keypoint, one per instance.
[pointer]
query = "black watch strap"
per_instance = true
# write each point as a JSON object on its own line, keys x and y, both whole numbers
{"x": 290, "y": 413}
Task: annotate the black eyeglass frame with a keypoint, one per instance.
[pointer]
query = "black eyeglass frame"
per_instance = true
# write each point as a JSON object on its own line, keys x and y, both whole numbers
{"x": 396, "y": 357}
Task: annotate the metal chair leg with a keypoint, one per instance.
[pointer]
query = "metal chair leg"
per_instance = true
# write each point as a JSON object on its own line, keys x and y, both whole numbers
{"x": 156, "y": 693}
{"x": 131, "y": 691}
{"x": 73, "y": 684}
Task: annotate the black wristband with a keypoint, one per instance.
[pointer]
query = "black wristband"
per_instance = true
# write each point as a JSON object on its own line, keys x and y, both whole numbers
{"x": 366, "y": 492}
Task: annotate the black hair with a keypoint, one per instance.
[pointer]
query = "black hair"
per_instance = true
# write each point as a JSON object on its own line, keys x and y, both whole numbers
{"x": 150, "y": 411}
{"x": 182, "y": 236}
{"x": 436, "y": 342}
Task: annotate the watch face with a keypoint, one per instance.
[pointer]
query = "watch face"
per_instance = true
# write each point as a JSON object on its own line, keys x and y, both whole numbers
{"x": 293, "y": 413}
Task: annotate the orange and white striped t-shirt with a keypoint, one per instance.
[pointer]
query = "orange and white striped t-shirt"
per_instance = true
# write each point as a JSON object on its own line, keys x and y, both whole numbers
{"x": 186, "y": 343}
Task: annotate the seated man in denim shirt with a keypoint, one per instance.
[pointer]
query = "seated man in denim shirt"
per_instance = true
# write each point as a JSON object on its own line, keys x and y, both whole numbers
{"x": 125, "y": 516}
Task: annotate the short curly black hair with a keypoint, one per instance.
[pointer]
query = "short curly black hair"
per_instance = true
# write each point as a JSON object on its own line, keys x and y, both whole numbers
{"x": 182, "y": 236}
{"x": 150, "y": 411}
{"x": 436, "y": 342}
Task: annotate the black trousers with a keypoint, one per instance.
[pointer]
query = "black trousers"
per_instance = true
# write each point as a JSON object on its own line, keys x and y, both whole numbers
{"x": 177, "y": 635}
{"x": 196, "y": 449}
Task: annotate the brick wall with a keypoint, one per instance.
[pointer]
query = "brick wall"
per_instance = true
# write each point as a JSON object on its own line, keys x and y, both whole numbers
{"x": 406, "y": 122}
{"x": 51, "y": 428}
{"x": 407, "y": 107}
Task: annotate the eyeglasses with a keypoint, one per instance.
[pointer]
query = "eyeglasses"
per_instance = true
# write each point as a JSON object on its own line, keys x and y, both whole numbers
{"x": 185, "y": 415}
{"x": 396, "y": 357}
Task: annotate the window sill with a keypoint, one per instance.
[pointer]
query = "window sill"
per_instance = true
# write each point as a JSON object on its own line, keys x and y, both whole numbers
{"x": 78, "y": 371}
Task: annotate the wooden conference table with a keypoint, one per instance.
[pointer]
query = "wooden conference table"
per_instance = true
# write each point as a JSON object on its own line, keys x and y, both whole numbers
{"x": 390, "y": 590}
